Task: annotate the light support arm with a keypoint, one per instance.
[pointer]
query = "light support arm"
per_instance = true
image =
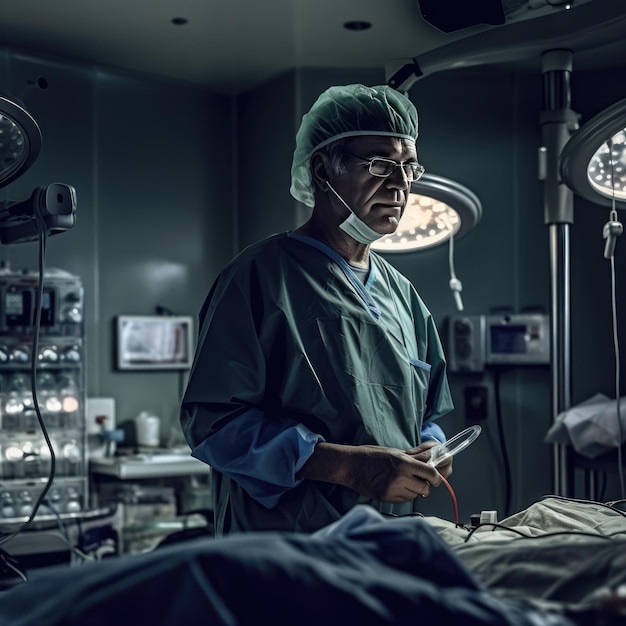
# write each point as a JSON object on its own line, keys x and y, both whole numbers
{"x": 53, "y": 206}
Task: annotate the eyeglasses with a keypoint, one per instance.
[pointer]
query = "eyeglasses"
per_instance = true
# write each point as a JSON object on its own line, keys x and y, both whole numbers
{"x": 378, "y": 166}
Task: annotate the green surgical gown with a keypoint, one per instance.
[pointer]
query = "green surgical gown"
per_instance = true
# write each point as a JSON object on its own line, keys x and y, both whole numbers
{"x": 283, "y": 329}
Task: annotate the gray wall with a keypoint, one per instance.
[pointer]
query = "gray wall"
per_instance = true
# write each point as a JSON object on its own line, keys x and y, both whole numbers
{"x": 152, "y": 164}
{"x": 267, "y": 120}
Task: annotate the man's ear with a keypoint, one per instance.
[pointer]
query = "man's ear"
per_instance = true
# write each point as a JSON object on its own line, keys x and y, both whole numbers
{"x": 319, "y": 171}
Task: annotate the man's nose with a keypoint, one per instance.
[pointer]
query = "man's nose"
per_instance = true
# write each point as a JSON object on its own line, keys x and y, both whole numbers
{"x": 398, "y": 179}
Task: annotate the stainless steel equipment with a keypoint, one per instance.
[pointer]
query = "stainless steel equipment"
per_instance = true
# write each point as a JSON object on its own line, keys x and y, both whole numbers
{"x": 477, "y": 341}
{"x": 25, "y": 459}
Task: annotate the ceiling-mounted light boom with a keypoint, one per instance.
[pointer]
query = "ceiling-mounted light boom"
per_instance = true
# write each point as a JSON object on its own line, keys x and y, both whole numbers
{"x": 52, "y": 207}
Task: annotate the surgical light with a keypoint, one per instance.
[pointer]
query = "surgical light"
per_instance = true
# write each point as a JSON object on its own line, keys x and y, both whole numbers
{"x": 437, "y": 209}
{"x": 593, "y": 162}
{"x": 20, "y": 140}
{"x": 606, "y": 171}
{"x": 52, "y": 206}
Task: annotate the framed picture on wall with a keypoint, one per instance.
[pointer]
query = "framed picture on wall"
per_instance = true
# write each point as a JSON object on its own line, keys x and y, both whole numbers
{"x": 151, "y": 342}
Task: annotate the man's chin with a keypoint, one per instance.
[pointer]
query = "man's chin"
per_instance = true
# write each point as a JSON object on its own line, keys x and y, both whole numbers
{"x": 388, "y": 225}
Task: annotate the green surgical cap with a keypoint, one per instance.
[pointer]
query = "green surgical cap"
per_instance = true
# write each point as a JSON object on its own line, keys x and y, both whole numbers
{"x": 348, "y": 111}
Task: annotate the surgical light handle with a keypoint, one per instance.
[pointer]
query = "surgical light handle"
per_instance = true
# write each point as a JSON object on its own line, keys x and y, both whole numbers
{"x": 611, "y": 231}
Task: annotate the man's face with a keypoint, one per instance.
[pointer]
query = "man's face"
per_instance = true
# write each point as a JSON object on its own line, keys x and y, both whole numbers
{"x": 378, "y": 201}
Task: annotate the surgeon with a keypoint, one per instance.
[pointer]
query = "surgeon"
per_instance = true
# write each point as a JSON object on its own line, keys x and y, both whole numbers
{"x": 319, "y": 373}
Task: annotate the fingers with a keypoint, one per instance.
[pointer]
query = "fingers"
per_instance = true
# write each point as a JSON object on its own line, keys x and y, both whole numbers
{"x": 445, "y": 469}
{"x": 419, "y": 486}
{"x": 434, "y": 473}
{"x": 427, "y": 474}
{"x": 423, "y": 456}
{"x": 422, "y": 452}
{"x": 421, "y": 490}
{"x": 416, "y": 489}
{"x": 389, "y": 474}
{"x": 422, "y": 448}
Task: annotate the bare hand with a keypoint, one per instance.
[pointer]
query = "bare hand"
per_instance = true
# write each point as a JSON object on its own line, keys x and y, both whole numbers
{"x": 422, "y": 453}
{"x": 389, "y": 474}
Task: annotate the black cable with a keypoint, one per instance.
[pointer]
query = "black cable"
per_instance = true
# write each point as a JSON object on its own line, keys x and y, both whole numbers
{"x": 66, "y": 535}
{"x": 574, "y": 533}
{"x": 503, "y": 449}
{"x": 608, "y": 505}
{"x": 11, "y": 564}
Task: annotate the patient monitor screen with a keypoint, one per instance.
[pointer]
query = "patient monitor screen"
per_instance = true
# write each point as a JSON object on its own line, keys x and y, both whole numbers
{"x": 18, "y": 307}
{"x": 47, "y": 308}
{"x": 509, "y": 339}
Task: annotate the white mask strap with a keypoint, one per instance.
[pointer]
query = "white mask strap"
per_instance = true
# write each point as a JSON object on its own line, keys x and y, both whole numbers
{"x": 354, "y": 226}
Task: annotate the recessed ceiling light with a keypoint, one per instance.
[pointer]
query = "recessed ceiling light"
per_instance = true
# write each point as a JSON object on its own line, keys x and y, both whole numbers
{"x": 357, "y": 25}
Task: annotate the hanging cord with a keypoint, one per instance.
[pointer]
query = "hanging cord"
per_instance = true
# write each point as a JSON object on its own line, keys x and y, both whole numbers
{"x": 613, "y": 229}
{"x": 65, "y": 535}
{"x": 8, "y": 562}
{"x": 455, "y": 504}
{"x": 455, "y": 283}
{"x": 620, "y": 468}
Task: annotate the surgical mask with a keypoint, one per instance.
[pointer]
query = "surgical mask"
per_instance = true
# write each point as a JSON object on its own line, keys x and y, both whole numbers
{"x": 354, "y": 226}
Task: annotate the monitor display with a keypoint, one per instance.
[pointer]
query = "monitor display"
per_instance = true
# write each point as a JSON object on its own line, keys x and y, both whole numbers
{"x": 18, "y": 307}
{"x": 47, "y": 307}
{"x": 509, "y": 339}
{"x": 154, "y": 342}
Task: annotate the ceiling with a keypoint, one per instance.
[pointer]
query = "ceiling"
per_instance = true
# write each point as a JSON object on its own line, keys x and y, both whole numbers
{"x": 232, "y": 45}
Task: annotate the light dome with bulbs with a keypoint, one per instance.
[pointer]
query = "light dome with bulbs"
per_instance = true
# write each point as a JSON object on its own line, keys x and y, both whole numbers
{"x": 437, "y": 209}
{"x": 593, "y": 161}
{"x": 607, "y": 167}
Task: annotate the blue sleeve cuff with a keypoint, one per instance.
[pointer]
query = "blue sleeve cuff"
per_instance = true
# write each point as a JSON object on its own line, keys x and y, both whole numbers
{"x": 261, "y": 454}
{"x": 431, "y": 431}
